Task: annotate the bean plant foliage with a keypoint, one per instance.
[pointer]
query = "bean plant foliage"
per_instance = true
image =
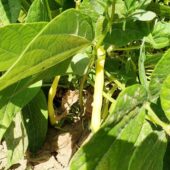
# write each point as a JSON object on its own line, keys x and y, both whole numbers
{"x": 119, "y": 47}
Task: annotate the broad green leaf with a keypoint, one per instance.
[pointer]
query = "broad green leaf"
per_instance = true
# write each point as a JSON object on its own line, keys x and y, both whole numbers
{"x": 35, "y": 116}
{"x": 165, "y": 97}
{"x": 13, "y": 40}
{"x": 55, "y": 43}
{"x": 150, "y": 153}
{"x": 128, "y": 100}
{"x": 9, "y": 10}
{"x": 16, "y": 141}
{"x": 159, "y": 74}
{"x": 133, "y": 31}
{"x": 39, "y": 11}
{"x": 160, "y": 36}
{"x": 112, "y": 146}
{"x": 12, "y": 100}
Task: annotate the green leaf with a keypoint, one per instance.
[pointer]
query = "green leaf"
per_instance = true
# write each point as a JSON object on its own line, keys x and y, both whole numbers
{"x": 39, "y": 11}
{"x": 133, "y": 31}
{"x": 112, "y": 146}
{"x": 150, "y": 153}
{"x": 128, "y": 100}
{"x": 12, "y": 99}
{"x": 132, "y": 5}
{"x": 55, "y": 43}
{"x": 9, "y": 10}
{"x": 16, "y": 141}
{"x": 79, "y": 63}
{"x": 93, "y": 8}
{"x": 165, "y": 97}
{"x": 14, "y": 39}
{"x": 152, "y": 59}
{"x": 143, "y": 15}
{"x": 160, "y": 36}
{"x": 159, "y": 74}
{"x": 35, "y": 116}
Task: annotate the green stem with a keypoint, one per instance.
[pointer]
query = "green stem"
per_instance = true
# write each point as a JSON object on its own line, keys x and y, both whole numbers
{"x": 83, "y": 80}
{"x": 106, "y": 102}
{"x": 112, "y": 78}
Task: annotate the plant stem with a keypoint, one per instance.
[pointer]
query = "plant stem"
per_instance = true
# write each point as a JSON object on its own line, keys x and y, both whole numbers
{"x": 83, "y": 80}
{"x": 112, "y": 78}
{"x": 51, "y": 95}
{"x": 155, "y": 119}
{"x": 112, "y": 48}
{"x": 77, "y": 3}
{"x": 98, "y": 89}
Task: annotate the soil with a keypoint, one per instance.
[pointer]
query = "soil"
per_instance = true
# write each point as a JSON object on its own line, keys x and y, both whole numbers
{"x": 59, "y": 147}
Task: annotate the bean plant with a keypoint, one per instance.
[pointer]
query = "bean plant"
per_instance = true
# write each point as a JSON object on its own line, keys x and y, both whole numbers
{"x": 118, "y": 47}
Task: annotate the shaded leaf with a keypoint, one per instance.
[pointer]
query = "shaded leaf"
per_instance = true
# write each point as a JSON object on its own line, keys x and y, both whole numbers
{"x": 13, "y": 99}
{"x": 133, "y": 31}
{"x": 35, "y": 116}
{"x": 13, "y": 40}
{"x": 16, "y": 141}
{"x": 39, "y": 11}
{"x": 79, "y": 63}
{"x": 165, "y": 97}
{"x": 55, "y": 43}
{"x": 115, "y": 144}
{"x": 9, "y": 10}
{"x": 161, "y": 10}
{"x": 150, "y": 153}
